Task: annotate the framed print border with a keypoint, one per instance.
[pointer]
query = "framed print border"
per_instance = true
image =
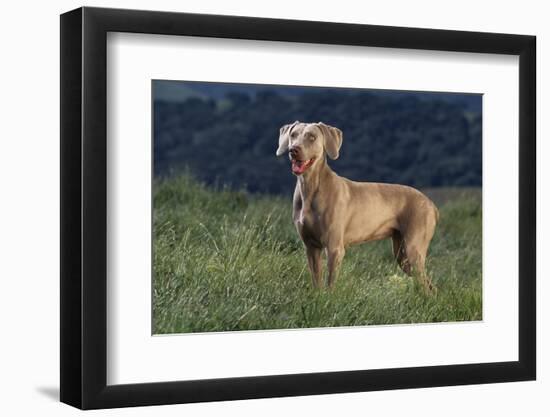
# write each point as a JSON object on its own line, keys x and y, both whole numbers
{"x": 84, "y": 207}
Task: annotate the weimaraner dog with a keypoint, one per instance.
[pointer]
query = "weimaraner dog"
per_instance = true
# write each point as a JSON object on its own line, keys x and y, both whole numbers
{"x": 331, "y": 212}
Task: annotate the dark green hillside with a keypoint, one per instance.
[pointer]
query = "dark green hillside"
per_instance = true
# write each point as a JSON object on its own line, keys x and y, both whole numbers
{"x": 415, "y": 139}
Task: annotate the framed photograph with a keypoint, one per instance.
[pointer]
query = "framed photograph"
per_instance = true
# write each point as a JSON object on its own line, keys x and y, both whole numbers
{"x": 257, "y": 208}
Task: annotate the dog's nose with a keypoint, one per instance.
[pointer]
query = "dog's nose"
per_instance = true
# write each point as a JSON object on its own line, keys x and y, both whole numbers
{"x": 294, "y": 150}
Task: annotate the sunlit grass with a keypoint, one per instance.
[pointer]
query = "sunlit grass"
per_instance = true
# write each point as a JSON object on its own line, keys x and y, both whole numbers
{"x": 226, "y": 260}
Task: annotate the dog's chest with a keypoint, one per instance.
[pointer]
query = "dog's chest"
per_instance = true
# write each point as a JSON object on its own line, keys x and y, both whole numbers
{"x": 308, "y": 224}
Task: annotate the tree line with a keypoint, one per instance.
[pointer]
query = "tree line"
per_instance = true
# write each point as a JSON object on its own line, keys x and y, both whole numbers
{"x": 406, "y": 139}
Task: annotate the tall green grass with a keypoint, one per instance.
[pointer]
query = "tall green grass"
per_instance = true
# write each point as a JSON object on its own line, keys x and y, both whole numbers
{"x": 226, "y": 260}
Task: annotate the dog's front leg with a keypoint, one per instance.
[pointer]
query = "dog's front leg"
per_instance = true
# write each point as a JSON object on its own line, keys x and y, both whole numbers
{"x": 315, "y": 265}
{"x": 335, "y": 254}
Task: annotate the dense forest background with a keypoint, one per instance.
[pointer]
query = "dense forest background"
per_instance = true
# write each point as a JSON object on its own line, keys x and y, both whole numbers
{"x": 227, "y": 134}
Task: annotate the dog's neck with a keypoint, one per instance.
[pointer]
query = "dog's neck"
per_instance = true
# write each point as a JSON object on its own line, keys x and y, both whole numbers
{"x": 309, "y": 182}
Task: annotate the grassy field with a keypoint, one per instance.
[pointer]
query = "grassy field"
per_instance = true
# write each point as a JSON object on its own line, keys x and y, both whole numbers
{"x": 226, "y": 260}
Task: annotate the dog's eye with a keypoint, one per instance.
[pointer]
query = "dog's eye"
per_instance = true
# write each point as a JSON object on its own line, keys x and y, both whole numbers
{"x": 312, "y": 137}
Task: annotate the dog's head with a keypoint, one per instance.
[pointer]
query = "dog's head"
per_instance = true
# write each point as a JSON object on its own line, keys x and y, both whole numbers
{"x": 307, "y": 143}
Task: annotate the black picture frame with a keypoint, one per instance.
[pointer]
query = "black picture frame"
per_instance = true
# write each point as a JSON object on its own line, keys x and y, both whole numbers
{"x": 84, "y": 207}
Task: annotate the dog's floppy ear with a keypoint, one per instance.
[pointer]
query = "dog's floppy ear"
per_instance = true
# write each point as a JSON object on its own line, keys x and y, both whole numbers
{"x": 333, "y": 139}
{"x": 284, "y": 136}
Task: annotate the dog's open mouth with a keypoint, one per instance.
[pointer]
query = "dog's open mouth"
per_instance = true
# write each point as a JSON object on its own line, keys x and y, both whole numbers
{"x": 299, "y": 167}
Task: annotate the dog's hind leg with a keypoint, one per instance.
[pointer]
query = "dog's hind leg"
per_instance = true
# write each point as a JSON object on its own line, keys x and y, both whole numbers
{"x": 398, "y": 247}
{"x": 416, "y": 249}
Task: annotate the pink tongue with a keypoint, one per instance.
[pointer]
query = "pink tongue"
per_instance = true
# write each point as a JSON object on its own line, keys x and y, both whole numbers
{"x": 298, "y": 167}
